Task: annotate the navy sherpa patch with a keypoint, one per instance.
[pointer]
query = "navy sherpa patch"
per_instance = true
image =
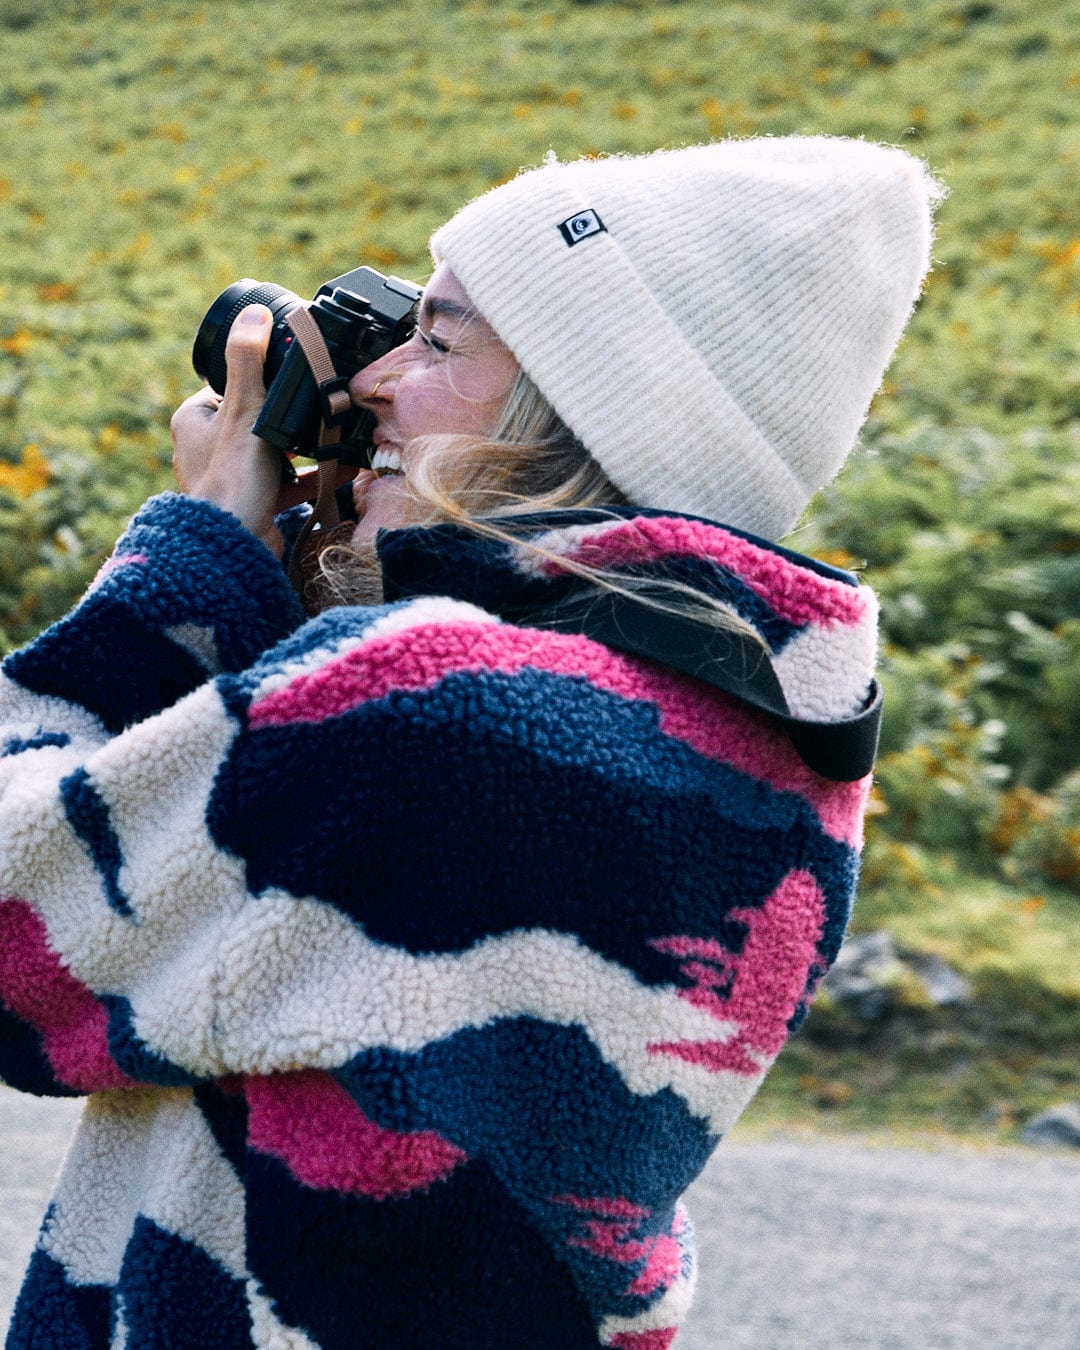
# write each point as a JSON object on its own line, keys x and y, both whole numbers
{"x": 23, "y": 1062}
{"x": 351, "y": 1271}
{"x": 492, "y": 802}
{"x": 54, "y": 1314}
{"x": 18, "y": 745}
{"x": 177, "y": 1295}
{"x": 88, "y": 816}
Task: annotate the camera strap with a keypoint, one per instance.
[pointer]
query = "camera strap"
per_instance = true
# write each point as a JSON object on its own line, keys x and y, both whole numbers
{"x": 334, "y": 392}
{"x": 841, "y": 750}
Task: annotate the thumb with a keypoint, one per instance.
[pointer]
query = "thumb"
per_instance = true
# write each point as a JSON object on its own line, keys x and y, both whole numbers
{"x": 245, "y": 354}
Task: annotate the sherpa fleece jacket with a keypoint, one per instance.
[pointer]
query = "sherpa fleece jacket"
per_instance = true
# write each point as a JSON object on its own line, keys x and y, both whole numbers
{"x": 413, "y": 961}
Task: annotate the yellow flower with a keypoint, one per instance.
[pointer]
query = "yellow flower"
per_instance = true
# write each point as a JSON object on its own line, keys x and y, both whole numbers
{"x": 385, "y": 257}
{"x": 28, "y": 476}
{"x": 713, "y": 112}
{"x": 839, "y": 557}
{"x": 17, "y": 343}
{"x": 1001, "y": 245}
{"x": 57, "y": 291}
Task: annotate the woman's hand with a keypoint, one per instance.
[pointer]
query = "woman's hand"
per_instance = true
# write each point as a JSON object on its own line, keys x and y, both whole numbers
{"x": 215, "y": 455}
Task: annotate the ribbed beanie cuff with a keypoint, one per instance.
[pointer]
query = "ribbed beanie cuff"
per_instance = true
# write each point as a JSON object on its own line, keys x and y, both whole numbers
{"x": 711, "y": 322}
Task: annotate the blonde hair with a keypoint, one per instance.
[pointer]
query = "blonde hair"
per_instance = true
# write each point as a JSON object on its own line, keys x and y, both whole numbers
{"x": 531, "y": 463}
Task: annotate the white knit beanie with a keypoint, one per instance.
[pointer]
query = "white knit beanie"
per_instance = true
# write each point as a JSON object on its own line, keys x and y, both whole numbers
{"x": 710, "y": 322}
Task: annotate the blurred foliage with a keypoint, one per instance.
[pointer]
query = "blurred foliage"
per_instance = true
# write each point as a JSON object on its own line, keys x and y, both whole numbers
{"x": 975, "y": 542}
{"x": 153, "y": 153}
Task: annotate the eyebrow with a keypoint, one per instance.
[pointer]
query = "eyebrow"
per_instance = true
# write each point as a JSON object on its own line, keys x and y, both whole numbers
{"x": 433, "y": 307}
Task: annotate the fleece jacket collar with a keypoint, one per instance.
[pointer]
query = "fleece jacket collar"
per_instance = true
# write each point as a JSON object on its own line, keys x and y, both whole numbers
{"x": 803, "y": 651}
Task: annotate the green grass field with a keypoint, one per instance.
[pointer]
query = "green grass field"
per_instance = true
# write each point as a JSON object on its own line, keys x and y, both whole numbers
{"x": 154, "y": 153}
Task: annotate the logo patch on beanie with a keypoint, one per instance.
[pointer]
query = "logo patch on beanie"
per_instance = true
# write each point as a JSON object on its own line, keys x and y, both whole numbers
{"x": 582, "y": 226}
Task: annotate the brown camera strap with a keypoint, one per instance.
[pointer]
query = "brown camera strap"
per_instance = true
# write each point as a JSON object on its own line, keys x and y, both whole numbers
{"x": 325, "y": 513}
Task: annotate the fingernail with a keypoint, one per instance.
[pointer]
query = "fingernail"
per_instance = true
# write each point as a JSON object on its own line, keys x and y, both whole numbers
{"x": 254, "y": 314}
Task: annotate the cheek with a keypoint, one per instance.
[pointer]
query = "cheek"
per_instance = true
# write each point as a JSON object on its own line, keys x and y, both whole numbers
{"x": 455, "y": 404}
{"x": 480, "y": 395}
{"x": 479, "y": 416}
{"x": 419, "y": 404}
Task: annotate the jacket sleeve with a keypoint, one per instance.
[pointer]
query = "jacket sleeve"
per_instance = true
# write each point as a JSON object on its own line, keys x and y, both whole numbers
{"x": 186, "y": 594}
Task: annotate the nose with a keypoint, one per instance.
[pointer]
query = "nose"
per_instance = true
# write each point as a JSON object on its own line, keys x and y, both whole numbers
{"x": 375, "y": 383}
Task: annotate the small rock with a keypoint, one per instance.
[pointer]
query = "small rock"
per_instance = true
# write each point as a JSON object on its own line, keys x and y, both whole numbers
{"x": 1056, "y": 1128}
{"x": 860, "y": 974}
{"x": 868, "y": 953}
{"x": 945, "y": 987}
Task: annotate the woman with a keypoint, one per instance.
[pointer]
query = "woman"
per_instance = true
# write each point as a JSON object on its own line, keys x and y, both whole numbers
{"x": 416, "y": 956}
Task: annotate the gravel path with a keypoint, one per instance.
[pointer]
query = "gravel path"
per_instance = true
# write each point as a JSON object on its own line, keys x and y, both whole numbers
{"x": 33, "y": 1136}
{"x": 804, "y": 1245}
{"x": 831, "y": 1246}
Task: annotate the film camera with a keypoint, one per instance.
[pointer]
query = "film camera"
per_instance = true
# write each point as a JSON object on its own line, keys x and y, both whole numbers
{"x": 362, "y": 315}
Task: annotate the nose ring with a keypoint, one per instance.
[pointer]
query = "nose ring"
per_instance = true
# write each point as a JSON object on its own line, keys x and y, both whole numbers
{"x": 377, "y": 386}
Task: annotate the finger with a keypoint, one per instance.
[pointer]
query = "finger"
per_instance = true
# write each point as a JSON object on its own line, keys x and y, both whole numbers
{"x": 195, "y": 410}
{"x": 205, "y": 397}
{"x": 245, "y": 355}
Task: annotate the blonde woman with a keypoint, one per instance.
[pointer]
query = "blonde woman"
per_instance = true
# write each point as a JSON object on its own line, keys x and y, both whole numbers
{"x": 415, "y": 956}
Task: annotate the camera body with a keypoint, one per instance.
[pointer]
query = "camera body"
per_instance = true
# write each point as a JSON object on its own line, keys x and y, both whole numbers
{"x": 361, "y": 314}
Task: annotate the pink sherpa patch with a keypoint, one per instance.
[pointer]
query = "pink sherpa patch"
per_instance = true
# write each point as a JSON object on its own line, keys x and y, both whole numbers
{"x": 37, "y": 987}
{"x": 610, "y": 1206}
{"x": 308, "y": 1121}
{"x": 612, "y": 1230}
{"x": 643, "y": 1340}
{"x": 705, "y": 719}
{"x": 760, "y": 988}
{"x": 792, "y": 591}
{"x": 662, "y": 1266}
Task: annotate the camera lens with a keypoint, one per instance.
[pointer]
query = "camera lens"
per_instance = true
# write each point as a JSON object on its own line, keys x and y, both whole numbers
{"x": 208, "y": 354}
